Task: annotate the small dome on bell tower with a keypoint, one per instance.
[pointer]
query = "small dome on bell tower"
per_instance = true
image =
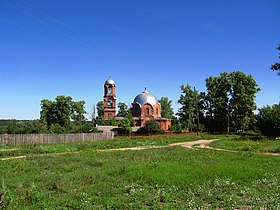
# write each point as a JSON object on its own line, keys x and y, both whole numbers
{"x": 109, "y": 81}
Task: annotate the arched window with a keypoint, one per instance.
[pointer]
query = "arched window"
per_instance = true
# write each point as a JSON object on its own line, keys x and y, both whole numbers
{"x": 109, "y": 90}
{"x": 156, "y": 111}
{"x": 110, "y": 103}
{"x": 147, "y": 111}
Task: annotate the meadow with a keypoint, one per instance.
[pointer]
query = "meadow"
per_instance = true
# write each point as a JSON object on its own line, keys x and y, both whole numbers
{"x": 86, "y": 176}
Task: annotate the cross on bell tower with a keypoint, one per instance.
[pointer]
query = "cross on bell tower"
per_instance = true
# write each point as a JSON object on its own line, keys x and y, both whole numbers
{"x": 109, "y": 99}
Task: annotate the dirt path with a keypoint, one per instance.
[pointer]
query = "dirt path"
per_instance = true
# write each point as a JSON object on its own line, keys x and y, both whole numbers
{"x": 203, "y": 144}
{"x": 189, "y": 144}
{"x": 37, "y": 155}
{"x": 195, "y": 144}
{"x": 7, "y": 150}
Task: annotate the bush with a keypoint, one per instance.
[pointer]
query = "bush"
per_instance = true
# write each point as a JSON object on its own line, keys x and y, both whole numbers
{"x": 151, "y": 127}
{"x": 175, "y": 125}
{"x": 268, "y": 120}
{"x": 3, "y": 129}
{"x": 251, "y": 137}
{"x": 124, "y": 126}
{"x": 25, "y": 126}
{"x": 87, "y": 127}
{"x": 57, "y": 129}
{"x": 110, "y": 122}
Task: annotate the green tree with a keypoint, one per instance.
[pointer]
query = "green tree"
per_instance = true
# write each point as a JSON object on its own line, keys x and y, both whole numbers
{"x": 124, "y": 126}
{"x": 92, "y": 115}
{"x": 122, "y": 110}
{"x": 63, "y": 111}
{"x": 217, "y": 97}
{"x": 100, "y": 113}
{"x": 78, "y": 111}
{"x": 48, "y": 112}
{"x": 276, "y": 66}
{"x": 12, "y": 127}
{"x": 230, "y": 101}
{"x": 25, "y": 126}
{"x": 39, "y": 126}
{"x": 242, "y": 103}
{"x": 129, "y": 116}
{"x": 175, "y": 125}
{"x": 19, "y": 127}
{"x": 268, "y": 120}
{"x": 187, "y": 112}
{"x": 110, "y": 122}
{"x": 56, "y": 128}
{"x": 89, "y": 127}
{"x": 3, "y": 129}
{"x": 100, "y": 109}
{"x": 3, "y": 126}
{"x": 166, "y": 108}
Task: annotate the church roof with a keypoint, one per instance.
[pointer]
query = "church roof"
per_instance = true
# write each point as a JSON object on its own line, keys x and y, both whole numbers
{"x": 109, "y": 81}
{"x": 145, "y": 97}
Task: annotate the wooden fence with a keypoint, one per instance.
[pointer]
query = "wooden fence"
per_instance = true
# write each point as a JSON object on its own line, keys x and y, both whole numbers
{"x": 16, "y": 139}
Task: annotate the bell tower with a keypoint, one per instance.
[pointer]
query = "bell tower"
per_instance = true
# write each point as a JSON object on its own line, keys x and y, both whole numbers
{"x": 109, "y": 99}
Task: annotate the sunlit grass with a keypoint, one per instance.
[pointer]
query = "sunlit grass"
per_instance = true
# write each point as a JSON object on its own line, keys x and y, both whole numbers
{"x": 262, "y": 146}
{"x": 118, "y": 142}
{"x": 165, "y": 178}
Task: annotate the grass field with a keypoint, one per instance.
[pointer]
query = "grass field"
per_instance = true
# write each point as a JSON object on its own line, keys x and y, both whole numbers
{"x": 262, "y": 146}
{"x": 164, "y": 178}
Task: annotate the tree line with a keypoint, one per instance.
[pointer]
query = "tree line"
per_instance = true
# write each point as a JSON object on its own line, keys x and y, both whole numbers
{"x": 63, "y": 115}
{"x": 227, "y": 105}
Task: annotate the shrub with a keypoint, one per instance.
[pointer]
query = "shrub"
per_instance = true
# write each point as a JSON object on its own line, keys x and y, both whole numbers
{"x": 268, "y": 120}
{"x": 124, "y": 126}
{"x": 175, "y": 125}
{"x": 110, "y": 122}
{"x": 57, "y": 129}
{"x": 3, "y": 129}
{"x": 151, "y": 127}
{"x": 256, "y": 137}
{"x": 25, "y": 126}
{"x": 87, "y": 127}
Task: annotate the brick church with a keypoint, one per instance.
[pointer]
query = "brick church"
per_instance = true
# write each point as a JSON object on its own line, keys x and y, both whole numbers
{"x": 145, "y": 106}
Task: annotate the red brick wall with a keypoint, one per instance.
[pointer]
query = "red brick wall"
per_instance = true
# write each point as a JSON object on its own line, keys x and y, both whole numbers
{"x": 164, "y": 123}
{"x": 148, "y": 107}
{"x": 157, "y": 111}
{"x": 109, "y": 112}
{"x": 154, "y": 113}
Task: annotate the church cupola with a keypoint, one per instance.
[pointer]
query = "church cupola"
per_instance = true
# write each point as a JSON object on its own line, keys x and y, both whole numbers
{"x": 109, "y": 99}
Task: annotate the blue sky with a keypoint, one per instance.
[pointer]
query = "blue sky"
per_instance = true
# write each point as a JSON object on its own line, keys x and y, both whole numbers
{"x": 67, "y": 47}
